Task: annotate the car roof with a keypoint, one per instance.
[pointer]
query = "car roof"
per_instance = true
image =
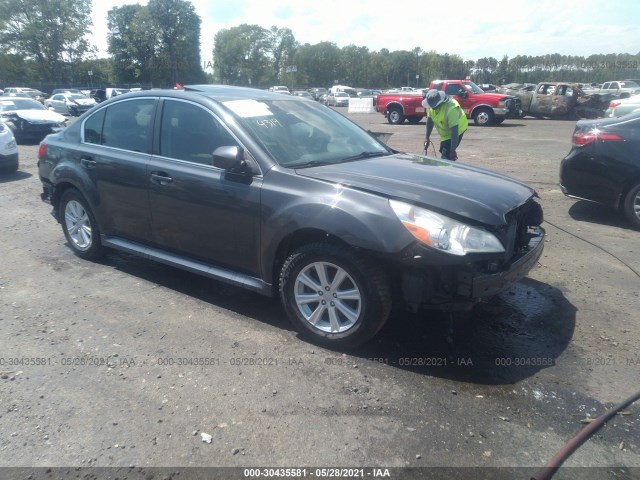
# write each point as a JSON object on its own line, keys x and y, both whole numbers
{"x": 219, "y": 93}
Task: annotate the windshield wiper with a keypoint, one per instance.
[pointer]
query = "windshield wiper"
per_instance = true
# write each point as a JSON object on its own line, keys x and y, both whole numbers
{"x": 312, "y": 163}
{"x": 363, "y": 155}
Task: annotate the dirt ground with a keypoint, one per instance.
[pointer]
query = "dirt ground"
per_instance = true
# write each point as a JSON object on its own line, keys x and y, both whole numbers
{"x": 129, "y": 363}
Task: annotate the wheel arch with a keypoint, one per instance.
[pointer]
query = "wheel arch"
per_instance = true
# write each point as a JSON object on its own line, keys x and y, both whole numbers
{"x": 628, "y": 186}
{"x": 63, "y": 186}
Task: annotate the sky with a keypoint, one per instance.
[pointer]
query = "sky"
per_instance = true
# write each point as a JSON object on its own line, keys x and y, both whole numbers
{"x": 471, "y": 29}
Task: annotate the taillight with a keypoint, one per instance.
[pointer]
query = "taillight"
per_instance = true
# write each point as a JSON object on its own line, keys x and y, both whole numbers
{"x": 580, "y": 139}
{"x": 614, "y": 104}
{"x": 42, "y": 151}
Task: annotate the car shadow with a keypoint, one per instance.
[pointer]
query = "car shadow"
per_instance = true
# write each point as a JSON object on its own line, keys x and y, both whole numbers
{"x": 584, "y": 211}
{"x": 14, "y": 176}
{"x": 508, "y": 338}
{"x": 501, "y": 341}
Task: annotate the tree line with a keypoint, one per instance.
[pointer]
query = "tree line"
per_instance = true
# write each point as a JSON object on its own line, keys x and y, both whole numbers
{"x": 158, "y": 45}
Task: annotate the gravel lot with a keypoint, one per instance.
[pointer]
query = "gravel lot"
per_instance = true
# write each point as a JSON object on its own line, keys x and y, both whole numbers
{"x": 125, "y": 362}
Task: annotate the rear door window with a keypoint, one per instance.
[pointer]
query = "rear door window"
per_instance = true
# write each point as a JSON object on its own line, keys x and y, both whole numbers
{"x": 127, "y": 125}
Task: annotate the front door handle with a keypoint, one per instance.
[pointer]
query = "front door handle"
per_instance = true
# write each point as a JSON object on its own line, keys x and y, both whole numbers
{"x": 88, "y": 162}
{"x": 161, "y": 178}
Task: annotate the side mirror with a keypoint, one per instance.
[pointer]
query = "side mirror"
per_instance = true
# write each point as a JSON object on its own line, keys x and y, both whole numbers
{"x": 229, "y": 158}
{"x": 463, "y": 94}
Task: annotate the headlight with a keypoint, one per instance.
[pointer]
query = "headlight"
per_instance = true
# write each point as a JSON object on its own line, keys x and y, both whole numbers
{"x": 443, "y": 233}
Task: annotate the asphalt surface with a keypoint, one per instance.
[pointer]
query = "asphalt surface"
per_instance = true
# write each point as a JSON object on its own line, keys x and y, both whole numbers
{"x": 127, "y": 363}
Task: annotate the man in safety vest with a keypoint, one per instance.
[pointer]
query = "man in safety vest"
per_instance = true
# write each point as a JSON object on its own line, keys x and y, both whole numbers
{"x": 449, "y": 119}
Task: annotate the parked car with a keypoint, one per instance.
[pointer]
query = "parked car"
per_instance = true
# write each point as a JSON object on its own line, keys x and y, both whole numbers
{"x": 281, "y": 195}
{"x": 28, "y": 119}
{"x": 337, "y": 99}
{"x": 69, "y": 103}
{"x": 31, "y": 92}
{"x": 8, "y": 150}
{"x": 603, "y": 165}
{"x": 303, "y": 94}
{"x": 317, "y": 92}
{"x": 65, "y": 90}
{"x": 280, "y": 89}
{"x": 623, "y": 106}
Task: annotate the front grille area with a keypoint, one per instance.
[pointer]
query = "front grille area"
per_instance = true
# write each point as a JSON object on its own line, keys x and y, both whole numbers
{"x": 513, "y": 105}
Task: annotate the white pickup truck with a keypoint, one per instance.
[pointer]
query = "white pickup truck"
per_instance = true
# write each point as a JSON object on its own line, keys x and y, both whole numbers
{"x": 620, "y": 88}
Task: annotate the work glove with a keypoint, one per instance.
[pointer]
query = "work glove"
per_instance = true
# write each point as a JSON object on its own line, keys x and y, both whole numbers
{"x": 453, "y": 155}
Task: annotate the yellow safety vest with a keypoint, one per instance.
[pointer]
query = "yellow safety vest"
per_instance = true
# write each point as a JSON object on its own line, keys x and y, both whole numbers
{"x": 446, "y": 114}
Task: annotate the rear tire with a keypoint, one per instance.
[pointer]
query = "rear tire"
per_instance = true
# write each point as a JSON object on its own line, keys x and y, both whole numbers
{"x": 79, "y": 225}
{"x": 395, "y": 116}
{"x": 631, "y": 207}
{"x": 334, "y": 296}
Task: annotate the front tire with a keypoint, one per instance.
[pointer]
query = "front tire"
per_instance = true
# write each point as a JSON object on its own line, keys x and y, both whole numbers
{"x": 483, "y": 117}
{"x": 631, "y": 207}
{"x": 79, "y": 225}
{"x": 333, "y": 296}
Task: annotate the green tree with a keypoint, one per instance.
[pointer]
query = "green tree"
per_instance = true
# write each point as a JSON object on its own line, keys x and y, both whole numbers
{"x": 132, "y": 40}
{"x": 158, "y": 43}
{"x": 49, "y": 32}
{"x": 241, "y": 55}
{"x": 177, "y": 57}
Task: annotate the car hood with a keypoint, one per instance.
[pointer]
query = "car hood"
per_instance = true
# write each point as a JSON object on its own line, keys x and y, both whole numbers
{"x": 83, "y": 101}
{"x": 39, "y": 116}
{"x": 496, "y": 96}
{"x": 448, "y": 187}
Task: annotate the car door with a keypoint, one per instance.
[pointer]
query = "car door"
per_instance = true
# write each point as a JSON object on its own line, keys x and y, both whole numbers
{"x": 116, "y": 142}
{"x": 56, "y": 102}
{"x": 199, "y": 210}
{"x": 465, "y": 101}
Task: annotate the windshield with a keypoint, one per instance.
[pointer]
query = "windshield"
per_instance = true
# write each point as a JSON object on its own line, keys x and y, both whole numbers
{"x": 297, "y": 133}
{"x": 20, "y": 104}
{"x": 472, "y": 87}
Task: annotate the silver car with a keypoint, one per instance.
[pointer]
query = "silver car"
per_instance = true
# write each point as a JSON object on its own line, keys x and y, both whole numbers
{"x": 69, "y": 103}
{"x": 622, "y": 106}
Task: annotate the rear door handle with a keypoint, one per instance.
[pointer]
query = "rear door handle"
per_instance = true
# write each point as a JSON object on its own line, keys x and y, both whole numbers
{"x": 88, "y": 162}
{"x": 161, "y": 178}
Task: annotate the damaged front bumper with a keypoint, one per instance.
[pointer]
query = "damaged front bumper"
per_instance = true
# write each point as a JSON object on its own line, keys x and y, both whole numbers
{"x": 449, "y": 285}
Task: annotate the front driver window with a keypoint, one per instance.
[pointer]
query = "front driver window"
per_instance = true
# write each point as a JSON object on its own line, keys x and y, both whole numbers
{"x": 191, "y": 133}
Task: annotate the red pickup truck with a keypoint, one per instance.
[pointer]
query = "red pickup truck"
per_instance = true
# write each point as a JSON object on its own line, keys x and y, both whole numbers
{"x": 485, "y": 108}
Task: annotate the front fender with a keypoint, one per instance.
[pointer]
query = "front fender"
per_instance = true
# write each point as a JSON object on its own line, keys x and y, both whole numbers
{"x": 360, "y": 219}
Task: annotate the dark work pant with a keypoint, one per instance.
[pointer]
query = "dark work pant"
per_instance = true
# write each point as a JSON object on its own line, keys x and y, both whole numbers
{"x": 445, "y": 147}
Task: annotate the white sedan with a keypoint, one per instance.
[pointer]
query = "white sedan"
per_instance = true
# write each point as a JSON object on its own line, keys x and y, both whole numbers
{"x": 69, "y": 103}
{"x": 622, "y": 106}
{"x": 8, "y": 150}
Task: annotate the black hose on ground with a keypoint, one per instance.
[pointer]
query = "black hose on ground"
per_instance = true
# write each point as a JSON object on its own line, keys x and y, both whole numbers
{"x": 550, "y": 468}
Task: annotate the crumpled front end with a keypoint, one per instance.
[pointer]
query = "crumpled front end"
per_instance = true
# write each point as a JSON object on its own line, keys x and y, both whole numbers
{"x": 432, "y": 280}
